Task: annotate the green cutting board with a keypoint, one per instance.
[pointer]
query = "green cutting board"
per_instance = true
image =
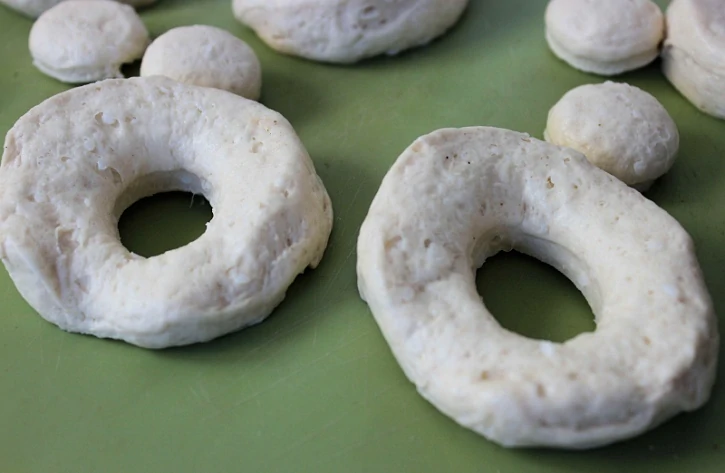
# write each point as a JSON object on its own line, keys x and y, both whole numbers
{"x": 315, "y": 388}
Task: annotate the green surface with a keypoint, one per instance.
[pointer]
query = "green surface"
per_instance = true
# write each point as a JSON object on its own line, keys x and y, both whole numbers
{"x": 152, "y": 226}
{"x": 315, "y": 388}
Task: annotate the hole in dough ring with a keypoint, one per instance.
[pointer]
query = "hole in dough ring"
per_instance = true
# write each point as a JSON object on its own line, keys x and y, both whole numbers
{"x": 347, "y": 31}
{"x": 75, "y": 162}
{"x": 458, "y": 196}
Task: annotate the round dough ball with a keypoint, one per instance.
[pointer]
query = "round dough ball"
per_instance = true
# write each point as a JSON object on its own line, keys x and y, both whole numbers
{"x": 619, "y": 128}
{"x": 604, "y": 37}
{"x": 80, "y": 41}
{"x": 346, "y": 31}
{"x": 693, "y": 58}
{"x": 34, "y": 8}
{"x": 205, "y": 56}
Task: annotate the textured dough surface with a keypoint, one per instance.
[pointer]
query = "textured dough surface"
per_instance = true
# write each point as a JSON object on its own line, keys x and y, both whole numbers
{"x": 205, "y": 56}
{"x": 698, "y": 28}
{"x": 80, "y": 41}
{"x": 75, "y": 162}
{"x": 34, "y": 8}
{"x": 604, "y": 37}
{"x": 346, "y": 31}
{"x": 693, "y": 58}
{"x": 619, "y": 128}
{"x": 456, "y": 197}
{"x": 704, "y": 88}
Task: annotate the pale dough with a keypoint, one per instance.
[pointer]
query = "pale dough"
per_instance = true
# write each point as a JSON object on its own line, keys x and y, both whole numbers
{"x": 205, "y": 56}
{"x": 80, "y": 41}
{"x": 34, "y": 8}
{"x": 619, "y": 128}
{"x": 693, "y": 58}
{"x": 458, "y": 196}
{"x": 65, "y": 182}
{"x": 346, "y": 31}
{"x": 604, "y": 37}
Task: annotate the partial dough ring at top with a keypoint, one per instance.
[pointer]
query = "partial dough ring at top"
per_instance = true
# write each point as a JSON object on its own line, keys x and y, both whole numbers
{"x": 455, "y": 198}
{"x": 693, "y": 57}
{"x": 75, "y": 162}
{"x": 346, "y": 31}
{"x": 34, "y": 8}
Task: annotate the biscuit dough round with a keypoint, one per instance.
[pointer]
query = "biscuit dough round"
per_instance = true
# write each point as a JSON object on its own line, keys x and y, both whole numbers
{"x": 34, "y": 8}
{"x": 205, "y": 56}
{"x": 604, "y": 37}
{"x": 693, "y": 58}
{"x": 458, "y": 196}
{"x": 64, "y": 184}
{"x": 619, "y": 128}
{"x": 346, "y": 31}
{"x": 81, "y": 41}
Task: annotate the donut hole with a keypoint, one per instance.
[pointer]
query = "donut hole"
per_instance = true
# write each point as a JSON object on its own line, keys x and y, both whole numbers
{"x": 532, "y": 298}
{"x": 163, "y": 222}
{"x": 161, "y": 212}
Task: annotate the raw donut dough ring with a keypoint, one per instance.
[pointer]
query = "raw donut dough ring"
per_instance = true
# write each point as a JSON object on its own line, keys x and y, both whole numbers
{"x": 205, "y": 56}
{"x": 347, "y": 31}
{"x": 693, "y": 57}
{"x": 604, "y": 37}
{"x": 34, "y": 8}
{"x": 64, "y": 182}
{"x": 81, "y": 41}
{"x": 458, "y": 196}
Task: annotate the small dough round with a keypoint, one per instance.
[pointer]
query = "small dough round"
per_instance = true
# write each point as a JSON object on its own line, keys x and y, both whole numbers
{"x": 347, "y": 31}
{"x": 64, "y": 184}
{"x": 619, "y": 128}
{"x": 205, "y": 56}
{"x": 604, "y": 37}
{"x": 34, "y": 8}
{"x": 458, "y": 196}
{"x": 81, "y": 41}
{"x": 693, "y": 58}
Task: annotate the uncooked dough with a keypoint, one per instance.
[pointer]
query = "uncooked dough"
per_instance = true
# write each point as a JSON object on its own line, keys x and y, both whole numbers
{"x": 34, "y": 8}
{"x": 64, "y": 184}
{"x": 205, "y": 56}
{"x": 80, "y": 41}
{"x": 458, "y": 196}
{"x": 346, "y": 31}
{"x": 619, "y": 128}
{"x": 604, "y": 37}
{"x": 693, "y": 58}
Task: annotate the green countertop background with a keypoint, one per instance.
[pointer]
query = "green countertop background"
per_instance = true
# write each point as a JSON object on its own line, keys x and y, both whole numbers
{"x": 315, "y": 388}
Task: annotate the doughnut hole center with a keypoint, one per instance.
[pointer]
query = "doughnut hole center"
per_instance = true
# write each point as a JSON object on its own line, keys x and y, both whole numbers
{"x": 532, "y": 298}
{"x": 162, "y": 213}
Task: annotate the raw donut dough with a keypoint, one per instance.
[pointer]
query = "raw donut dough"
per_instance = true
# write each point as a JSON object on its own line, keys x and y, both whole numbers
{"x": 458, "y": 196}
{"x": 604, "y": 37}
{"x": 64, "y": 183}
{"x": 80, "y": 41}
{"x": 693, "y": 58}
{"x": 205, "y": 56}
{"x": 619, "y": 128}
{"x": 346, "y": 31}
{"x": 33, "y": 8}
